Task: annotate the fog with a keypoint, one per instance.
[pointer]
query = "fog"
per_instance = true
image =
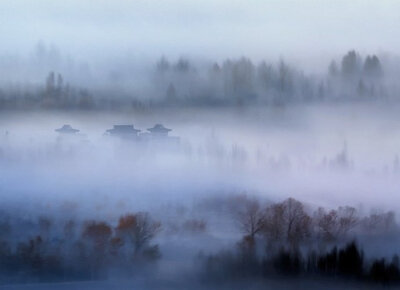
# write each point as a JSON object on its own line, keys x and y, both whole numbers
{"x": 276, "y": 152}
{"x": 323, "y": 155}
{"x": 210, "y": 145}
{"x": 306, "y": 31}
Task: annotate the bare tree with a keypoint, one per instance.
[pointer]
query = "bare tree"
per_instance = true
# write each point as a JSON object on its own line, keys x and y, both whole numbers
{"x": 251, "y": 218}
{"x": 139, "y": 229}
{"x": 287, "y": 221}
{"x": 348, "y": 219}
{"x": 326, "y": 224}
{"x": 335, "y": 223}
{"x": 379, "y": 223}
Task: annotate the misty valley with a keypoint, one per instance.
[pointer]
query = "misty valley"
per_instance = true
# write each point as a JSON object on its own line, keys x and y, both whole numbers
{"x": 229, "y": 197}
{"x": 199, "y": 172}
{"x": 199, "y": 144}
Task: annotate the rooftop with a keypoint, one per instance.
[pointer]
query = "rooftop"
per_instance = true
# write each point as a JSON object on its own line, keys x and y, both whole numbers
{"x": 123, "y": 129}
{"x": 66, "y": 129}
{"x": 159, "y": 128}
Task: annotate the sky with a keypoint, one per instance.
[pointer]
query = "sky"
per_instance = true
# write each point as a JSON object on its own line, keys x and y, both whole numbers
{"x": 209, "y": 28}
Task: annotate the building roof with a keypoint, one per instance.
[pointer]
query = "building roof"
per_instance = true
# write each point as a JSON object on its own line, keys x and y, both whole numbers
{"x": 123, "y": 129}
{"x": 158, "y": 128}
{"x": 66, "y": 129}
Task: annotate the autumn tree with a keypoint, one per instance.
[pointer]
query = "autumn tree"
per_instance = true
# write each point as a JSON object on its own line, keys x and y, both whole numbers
{"x": 98, "y": 234}
{"x": 139, "y": 229}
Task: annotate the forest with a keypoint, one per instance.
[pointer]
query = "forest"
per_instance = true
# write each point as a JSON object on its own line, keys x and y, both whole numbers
{"x": 288, "y": 238}
{"x": 185, "y": 83}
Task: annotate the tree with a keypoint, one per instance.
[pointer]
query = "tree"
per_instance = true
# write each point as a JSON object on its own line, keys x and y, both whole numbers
{"x": 50, "y": 83}
{"x": 379, "y": 223}
{"x": 139, "y": 229}
{"x": 251, "y": 218}
{"x": 285, "y": 82}
{"x": 288, "y": 221}
{"x": 326, "y": 224}
{"x": 335, "y": 224}
{"x": 350, "y": 64}
{"x": 98, "y": 234}
{"x": 348, "y": 219}
{"x": 333, "y": 69}
{"x": 171, "y": 95}
{"x": 163, "y": 65}
{"x": 372, "y": 67}
{"x": 182, "y": 66}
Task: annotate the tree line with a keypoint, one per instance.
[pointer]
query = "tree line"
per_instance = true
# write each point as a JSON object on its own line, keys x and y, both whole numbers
{"x": 232, "y": 82}
{"x": 287, "y": 239}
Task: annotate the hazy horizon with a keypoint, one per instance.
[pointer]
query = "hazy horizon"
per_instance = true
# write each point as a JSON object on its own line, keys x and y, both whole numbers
{"x": 307, "y": 32}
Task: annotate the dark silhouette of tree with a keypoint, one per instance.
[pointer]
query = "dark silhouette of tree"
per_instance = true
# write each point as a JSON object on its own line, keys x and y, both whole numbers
{"x": 350, "y": 64}
{"x": 379, "y": 223}
{"x": 171, "y": 95}
{"x": 372, "y": 67}
{"x": 285, "y": 79}
{"x": 384, "y": 272}
{"x": 182, "y": 66}
{"x": 251, "y": 218}
{"x": 288, "y": 262}
{"x": 351, "y": 261}
{"x": 265, "y": 75}
{"x": 51, "y": 83}
{"x": 139, "y": 229}
{"x": 334, "y": 224}
{"x": 98, "y": 235}
{"x": 288, "y": 221}
{"x": 328, "y": 263}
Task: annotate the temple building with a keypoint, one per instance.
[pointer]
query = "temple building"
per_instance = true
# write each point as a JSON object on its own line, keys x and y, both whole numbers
{"x": 123, "y": 131}
{"x": 159, "y": 131}
{"x": 66, "y": 129}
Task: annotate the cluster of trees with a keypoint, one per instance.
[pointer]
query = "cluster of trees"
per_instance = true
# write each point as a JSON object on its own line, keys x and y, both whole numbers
{"x": 290, "y": 223}
{"x": 240, "y": 82}
{"x": 55, "y": 94}
{"x": 230, "y": 83}
{"x": 286, "y": 238}
{"x": 85, "y": 251}
{"x": 361, "y": 77}
{"x": 347, "y": 262}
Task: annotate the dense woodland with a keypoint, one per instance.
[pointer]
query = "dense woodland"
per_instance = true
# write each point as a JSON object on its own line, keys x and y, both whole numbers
{"x": 286, "y": 238}
{"x": 233, "y": 82}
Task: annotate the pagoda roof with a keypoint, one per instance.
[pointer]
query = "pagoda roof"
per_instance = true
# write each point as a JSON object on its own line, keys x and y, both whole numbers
{"x": 123, "y": 129}
{"x": 159, "y": 128}
{"x": 66, "y": 129}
